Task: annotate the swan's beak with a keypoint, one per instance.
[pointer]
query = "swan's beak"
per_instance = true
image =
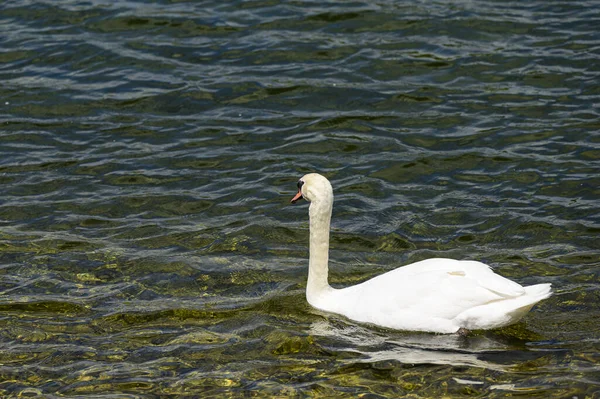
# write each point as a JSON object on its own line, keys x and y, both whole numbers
{"x": 296, "y": 197}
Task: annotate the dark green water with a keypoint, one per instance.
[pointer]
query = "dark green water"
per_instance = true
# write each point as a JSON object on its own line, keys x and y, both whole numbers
{"x": 148, "y": 152}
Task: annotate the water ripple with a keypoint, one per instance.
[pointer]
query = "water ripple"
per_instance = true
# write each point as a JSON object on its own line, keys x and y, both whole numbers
{"x": 148, "y": 153}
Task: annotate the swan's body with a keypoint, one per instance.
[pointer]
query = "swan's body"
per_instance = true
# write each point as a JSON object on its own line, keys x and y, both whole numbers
{"x": 435, "y": 295}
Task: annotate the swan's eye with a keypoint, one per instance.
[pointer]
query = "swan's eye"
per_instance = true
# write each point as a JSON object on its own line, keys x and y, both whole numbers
{"x": 300, "y": 184}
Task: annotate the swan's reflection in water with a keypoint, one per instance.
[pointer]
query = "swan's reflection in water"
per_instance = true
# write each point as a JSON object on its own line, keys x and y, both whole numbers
{"x": 479, "y": 351}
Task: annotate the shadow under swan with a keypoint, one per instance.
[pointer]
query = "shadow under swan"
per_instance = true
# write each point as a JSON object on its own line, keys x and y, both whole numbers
{"x": 480, "y": 351}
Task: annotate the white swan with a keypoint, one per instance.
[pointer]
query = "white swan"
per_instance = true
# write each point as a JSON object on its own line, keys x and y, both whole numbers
{"x": 435, "y": 295}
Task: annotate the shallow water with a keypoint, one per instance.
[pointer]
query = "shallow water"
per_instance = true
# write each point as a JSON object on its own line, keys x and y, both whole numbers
{"x": 148, "y": 152}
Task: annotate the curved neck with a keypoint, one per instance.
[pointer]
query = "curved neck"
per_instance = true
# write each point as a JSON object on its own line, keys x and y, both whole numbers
{"x": 320, "y": 216}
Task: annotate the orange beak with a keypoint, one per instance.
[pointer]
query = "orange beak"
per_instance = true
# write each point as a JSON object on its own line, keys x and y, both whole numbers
{"x": 296, "y": 197}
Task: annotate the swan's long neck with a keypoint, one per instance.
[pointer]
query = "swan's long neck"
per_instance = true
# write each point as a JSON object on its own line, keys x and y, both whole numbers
{"x": 318, "y": 269}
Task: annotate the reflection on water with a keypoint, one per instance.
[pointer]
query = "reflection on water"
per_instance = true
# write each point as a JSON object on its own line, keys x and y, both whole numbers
{"x": 413, "y": 348}
{"x": 148, "y": 151}
{"x": 481, "y": 350}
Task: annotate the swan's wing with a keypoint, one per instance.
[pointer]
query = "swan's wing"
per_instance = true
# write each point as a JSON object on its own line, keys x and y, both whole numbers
{"x": 491, "y": 281}
{"x": 468, "y": 269}
{"x": 432, "y": 288}
{"x": 431, "y": 295}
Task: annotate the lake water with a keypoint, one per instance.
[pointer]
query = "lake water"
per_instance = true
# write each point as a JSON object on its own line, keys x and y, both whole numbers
{"x": 149, "y": 150}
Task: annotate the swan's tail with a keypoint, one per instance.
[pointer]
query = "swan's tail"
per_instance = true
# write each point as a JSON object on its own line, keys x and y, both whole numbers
{"x": 533, "y": 294}
{"x": 539, "y": 291}
{"x": 503, "y": 312}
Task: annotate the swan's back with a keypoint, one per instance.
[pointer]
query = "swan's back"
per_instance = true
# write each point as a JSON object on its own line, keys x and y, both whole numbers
{"x": 438, "y": 295}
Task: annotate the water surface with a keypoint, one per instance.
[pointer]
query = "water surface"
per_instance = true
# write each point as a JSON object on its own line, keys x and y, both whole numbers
{"x": 148, "y": 152}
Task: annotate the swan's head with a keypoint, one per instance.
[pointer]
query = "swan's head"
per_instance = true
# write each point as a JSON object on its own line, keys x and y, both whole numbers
{"x": 314, "y": 188}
